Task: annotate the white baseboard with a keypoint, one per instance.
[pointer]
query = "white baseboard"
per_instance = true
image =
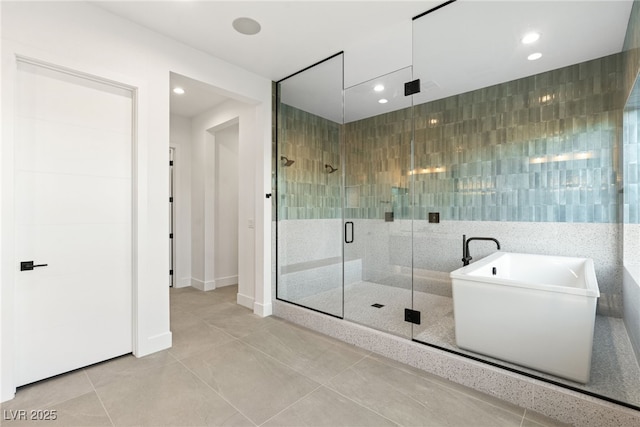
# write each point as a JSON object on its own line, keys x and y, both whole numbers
{"x": 203, "y": 286}
{"x": 245, "y": 301}
{"x": 213, "y": 284}
{"x": 226, "y": 281}
{"x": 153, "y": 344}
{"x": 198, "y": 284}
{"x": 263, "y": 310}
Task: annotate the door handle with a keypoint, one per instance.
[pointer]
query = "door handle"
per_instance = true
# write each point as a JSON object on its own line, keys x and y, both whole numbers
{"x": 346, "y": 226}
{"x": 29, "y": 265}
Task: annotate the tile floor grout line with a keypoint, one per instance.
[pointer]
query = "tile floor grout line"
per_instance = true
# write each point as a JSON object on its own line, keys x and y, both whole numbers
{"x": 53, "y": 404}
{"x": 99, "y": 398}
{"x": 350, "y": 366}
{"x": 360, "y": 404}
{"x": 222, "y": 330}
{"x": 297, "y": 369}
{"x": 218, "y": 393}
{"x": 277, "y": 360}
{"x": 202, "y": 350}
{"x": 293, "y": 403}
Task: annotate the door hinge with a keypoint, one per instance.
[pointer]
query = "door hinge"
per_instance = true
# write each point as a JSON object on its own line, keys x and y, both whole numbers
{"x": 412, "y": 316}
{"x": 171, "y": 235}
{"x": 411, "y": 88}
{"x": 170, "y": 272}
{"x": 170, "y": 162}
{"x": 170, "y": 199}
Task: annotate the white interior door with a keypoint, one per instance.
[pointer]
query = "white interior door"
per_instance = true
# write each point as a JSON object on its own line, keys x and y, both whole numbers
{"x": 73, "y": 203}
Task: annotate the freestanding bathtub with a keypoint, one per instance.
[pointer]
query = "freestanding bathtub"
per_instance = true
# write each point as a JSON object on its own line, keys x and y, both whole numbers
{"x": 537, "y": 311}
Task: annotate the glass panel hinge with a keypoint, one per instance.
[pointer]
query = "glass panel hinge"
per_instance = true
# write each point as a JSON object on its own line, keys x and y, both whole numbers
{"x": 411, "y": 88}
{"x": 412, "y": 316}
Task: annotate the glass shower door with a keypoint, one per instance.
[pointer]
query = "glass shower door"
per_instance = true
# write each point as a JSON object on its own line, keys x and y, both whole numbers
{"x": 378, "y": 218}
{"x": 309, "y": 255}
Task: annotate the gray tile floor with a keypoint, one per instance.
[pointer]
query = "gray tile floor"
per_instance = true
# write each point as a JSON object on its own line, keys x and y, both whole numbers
{"x": 229, "y": 367}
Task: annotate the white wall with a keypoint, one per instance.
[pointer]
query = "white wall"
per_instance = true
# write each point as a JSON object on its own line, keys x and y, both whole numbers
{"x": 215, "y": 250}
{"x": 204, "y": 130}
{"x": 226, "y": 206}
{"x": 85, "y": 38}
{"x": 180, "y": 137}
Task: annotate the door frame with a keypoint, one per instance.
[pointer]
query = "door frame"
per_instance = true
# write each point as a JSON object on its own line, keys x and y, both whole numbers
{"x": 10, "y": 58}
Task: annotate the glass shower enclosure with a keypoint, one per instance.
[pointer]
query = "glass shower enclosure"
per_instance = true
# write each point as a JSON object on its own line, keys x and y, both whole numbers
{"x": 344, "y": 175}
{"x": 377, "y": 183}
{"x": 309, "y": 192}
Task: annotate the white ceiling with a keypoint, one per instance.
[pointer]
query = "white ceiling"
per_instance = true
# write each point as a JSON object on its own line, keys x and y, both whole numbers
{"x": 295, "y": 34}
{"x": 462, "y": 46}
{"x": 198, "y": 97}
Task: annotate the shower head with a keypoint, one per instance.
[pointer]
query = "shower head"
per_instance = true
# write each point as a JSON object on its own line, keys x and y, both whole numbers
{"x": 330, "y": 169}
{"x": 286, "y": 161}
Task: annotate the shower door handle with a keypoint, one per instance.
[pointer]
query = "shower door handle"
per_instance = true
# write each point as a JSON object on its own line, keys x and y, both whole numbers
{"x": 346, "y": 233}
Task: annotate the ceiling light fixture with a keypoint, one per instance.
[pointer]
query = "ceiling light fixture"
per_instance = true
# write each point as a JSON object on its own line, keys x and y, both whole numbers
{"x": 178, "y": 90}
{"x": 383, "y": 101}
{"x": 246, "y": 26}
{"x": 530, "y": 38}
{"x": 378, "y": 88}
{"x": 534, "y": 56}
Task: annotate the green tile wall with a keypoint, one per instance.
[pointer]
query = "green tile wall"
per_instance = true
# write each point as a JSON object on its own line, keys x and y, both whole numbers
{"x": 378, "y": 162}
{"x": 542, "y": 148}
{"x": 305, "y": 189}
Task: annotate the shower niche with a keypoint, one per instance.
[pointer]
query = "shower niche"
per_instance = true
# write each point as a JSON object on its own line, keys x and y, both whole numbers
{"x": 385, "y": 182}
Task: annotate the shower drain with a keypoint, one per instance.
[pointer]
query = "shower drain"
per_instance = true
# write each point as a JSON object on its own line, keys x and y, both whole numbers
{"x": 377, "y": 305}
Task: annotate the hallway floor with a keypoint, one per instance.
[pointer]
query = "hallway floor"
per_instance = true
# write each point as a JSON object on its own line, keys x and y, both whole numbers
{"x": 229, "y": 367}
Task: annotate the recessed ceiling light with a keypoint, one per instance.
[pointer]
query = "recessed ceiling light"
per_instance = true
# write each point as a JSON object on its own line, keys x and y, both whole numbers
{"x": 178, "y": 90}
{"x": 246, "y": 26}
{"x": 530, "y": 38}
{"x": 383, "y": 101}
{"x": 378, "y": 88}
{"x": 534, "y": 56}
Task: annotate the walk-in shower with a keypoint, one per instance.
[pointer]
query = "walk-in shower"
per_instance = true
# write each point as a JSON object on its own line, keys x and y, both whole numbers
{"x": 473, "y": 139}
